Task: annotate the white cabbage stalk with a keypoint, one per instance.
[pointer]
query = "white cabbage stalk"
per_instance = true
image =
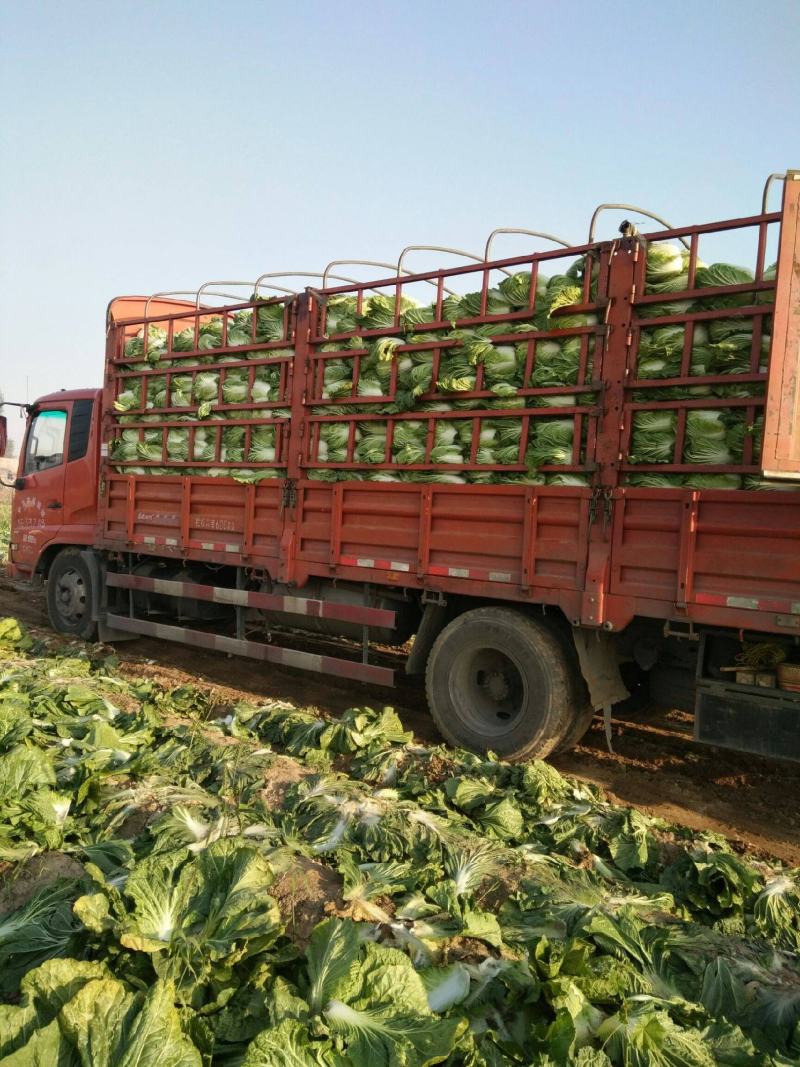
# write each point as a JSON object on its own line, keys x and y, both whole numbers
{"x": 446, "y": 986}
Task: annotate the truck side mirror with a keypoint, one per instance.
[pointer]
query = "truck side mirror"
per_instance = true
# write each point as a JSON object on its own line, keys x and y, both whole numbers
{"x": 3, "y": 435}
{"x": 19, "y": 483}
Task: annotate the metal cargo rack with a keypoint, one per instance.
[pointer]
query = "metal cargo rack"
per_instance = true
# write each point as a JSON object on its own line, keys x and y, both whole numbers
{"x": 479, "y": 279}
{"x": 603, "y": 551}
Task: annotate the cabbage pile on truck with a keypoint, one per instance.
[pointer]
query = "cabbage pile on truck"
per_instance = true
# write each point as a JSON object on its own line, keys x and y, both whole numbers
{"x": 419, "y": 365}
{"x": 194, "y": 398}
{"x": 425, "y": 385}
{"x": 720, "y": 346}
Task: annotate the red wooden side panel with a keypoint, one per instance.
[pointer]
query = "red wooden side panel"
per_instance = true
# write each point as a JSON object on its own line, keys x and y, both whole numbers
{"x": 202, "y": 515}
{"x": 467, "y": 534}
{"x": 517, "y": 537}
{"x": 646, "y": 543}
{"x": 156, "y": 511}
{"x": 556, "y": 550}
{"x": 523, "y": 538}
{"x": 314, "y": 510}
{"x": 215, "y": 512}
{"x": 266, "y": 524}
{"x": 114, "y": 516}
{"x": 359, "y": 521}
{"x": 377, "y": 521}
{"x": 748, "y": 552}
{"x": 693, "y": 550}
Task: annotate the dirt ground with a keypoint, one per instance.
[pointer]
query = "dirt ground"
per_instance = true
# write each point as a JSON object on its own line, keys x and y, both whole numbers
{"x": 655, "y": 765}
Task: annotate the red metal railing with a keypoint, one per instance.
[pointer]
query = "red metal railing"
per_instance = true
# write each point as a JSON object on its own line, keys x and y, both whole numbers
{"x": 305, "y": 408}
{"x": 438, "y": 340}
{"x": 752, "y": 382}
{"x": 171, "y": 365}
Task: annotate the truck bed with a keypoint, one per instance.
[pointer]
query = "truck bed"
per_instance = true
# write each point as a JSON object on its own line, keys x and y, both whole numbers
{"x": 604, "y": 551}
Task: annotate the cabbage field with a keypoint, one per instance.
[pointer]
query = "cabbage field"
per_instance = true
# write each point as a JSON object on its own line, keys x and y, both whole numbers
{"x": 399, "y": 373}
{"x": 186, "y": 883}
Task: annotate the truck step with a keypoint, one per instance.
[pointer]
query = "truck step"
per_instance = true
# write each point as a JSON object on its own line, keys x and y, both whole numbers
{"x": 290, "y": 605}
{"x": 284, "y": 657}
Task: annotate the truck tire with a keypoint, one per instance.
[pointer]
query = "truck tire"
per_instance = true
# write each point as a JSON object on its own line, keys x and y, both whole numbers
{"x": 70, "y": 595}
{"x": 582, "y": 720}
{"x": 499, "y": 681}
{"x": 582, "y": 713}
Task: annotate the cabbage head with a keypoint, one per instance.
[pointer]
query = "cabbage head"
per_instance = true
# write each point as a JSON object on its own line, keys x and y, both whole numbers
{"x": 262, "y": 445}
{"x": 724, "y": 274}
{"x": 664, "y": 260}
{"x": 236, "y": 387}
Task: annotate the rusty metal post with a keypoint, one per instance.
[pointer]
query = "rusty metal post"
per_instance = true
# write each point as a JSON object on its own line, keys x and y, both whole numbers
{"x": 781, "y": 450}
{"x": 621, "y": 271}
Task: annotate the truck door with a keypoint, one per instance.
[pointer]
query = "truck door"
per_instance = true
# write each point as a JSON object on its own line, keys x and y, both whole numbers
{"x": 80, "y": 473}
{"x": 38, "y": 505}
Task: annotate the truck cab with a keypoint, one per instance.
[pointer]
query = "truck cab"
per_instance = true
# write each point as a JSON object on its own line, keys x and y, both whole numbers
{"x": 55, "y": 502}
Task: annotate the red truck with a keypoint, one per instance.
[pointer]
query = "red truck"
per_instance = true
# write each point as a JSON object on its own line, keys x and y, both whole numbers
{"x": 308, "y": 529}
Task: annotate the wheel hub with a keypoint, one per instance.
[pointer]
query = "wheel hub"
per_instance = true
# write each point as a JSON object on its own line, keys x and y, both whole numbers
{"x": 496, "y": 685}
{"x": 490, "y": 689}
{"x": 71, "y": 596}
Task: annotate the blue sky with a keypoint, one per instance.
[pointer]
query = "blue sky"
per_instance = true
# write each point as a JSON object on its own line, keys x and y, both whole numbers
{"x": 148, "y": 146}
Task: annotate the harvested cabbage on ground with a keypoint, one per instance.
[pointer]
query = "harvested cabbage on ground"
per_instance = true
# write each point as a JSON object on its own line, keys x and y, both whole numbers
{"x": 189, "y": 884}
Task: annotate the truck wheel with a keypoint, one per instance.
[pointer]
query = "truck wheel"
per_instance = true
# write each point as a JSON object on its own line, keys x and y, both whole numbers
{"x": 582, "y": 720}
{"x": 70, "y": 595}
{"x": 582, "y": 711}
{"x": 499, "y": 681}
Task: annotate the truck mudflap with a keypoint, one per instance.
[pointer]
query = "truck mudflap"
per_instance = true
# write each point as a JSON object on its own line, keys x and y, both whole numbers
{"x": 597, "y": 655}
{"x": 99, "y": 606}
{"x": 599, "y": 663}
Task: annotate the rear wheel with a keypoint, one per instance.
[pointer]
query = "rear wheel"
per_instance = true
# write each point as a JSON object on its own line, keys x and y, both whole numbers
{"x": 70, "y": 595}
{"x": 582, "y": 713}
{"x": 583, "y": 716}
{"x": 499, "y": 681}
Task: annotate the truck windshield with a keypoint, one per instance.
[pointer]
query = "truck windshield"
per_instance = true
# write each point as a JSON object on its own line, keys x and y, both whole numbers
{"x": 45, "y": 446}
